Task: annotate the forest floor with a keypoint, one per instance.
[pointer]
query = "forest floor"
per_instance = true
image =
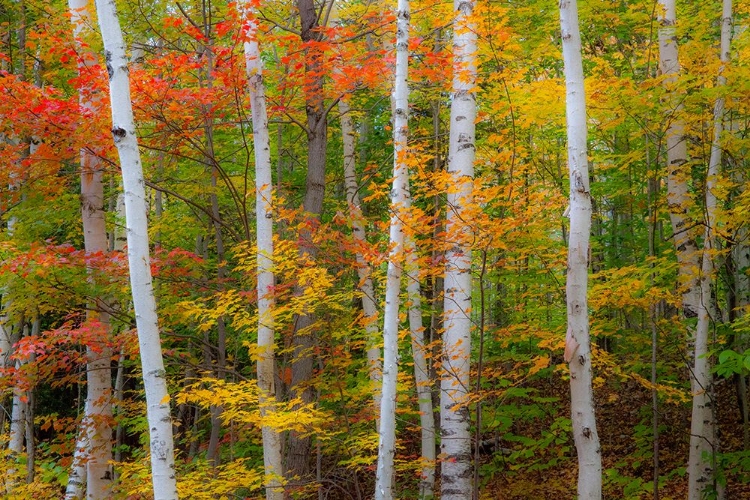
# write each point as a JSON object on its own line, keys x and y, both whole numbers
{"x": 625, "y": 430}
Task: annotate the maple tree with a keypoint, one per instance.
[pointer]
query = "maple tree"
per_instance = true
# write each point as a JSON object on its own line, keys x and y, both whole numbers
{"x": 273, "y": 261}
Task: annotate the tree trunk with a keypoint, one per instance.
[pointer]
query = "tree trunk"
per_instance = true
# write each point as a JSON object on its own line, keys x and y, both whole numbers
{"x": 96, "y": 424}
{"x": 298, "y": 459}
{"x": 456, "y": 476}
{"x": 264, "y": 258}
{"x": 422, "y": 378}
{"x": 364, "y": 272}
{"x": 399, "y": 197}
{"x": 144, "y": 303}
{"x": 357, "y": 221}
{"x": 217, "y": 365}
{"x": 577, "y": 341}
{"x": 704, "y": 441}
{"x": 678, "y": 172}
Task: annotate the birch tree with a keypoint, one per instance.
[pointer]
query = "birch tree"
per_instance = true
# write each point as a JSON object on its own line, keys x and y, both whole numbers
{"x": 704, "y": 442}
{"x": 678, "y": 172}
{"x": 387, "y": 433}
{"x": 94, "y": 451}
{"x": 577, "y": 341}
{"x": 264, "y": 228}
{"x": 124, "y": 135}
{"x": 421, "y": 370}
{"x": 359, "y": 232}
{"x": 456, "y": 473}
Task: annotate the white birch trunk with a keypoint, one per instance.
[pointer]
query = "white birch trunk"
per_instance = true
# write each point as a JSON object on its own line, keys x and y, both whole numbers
{"x": 264, "y": 219}
{"x": 456, "y": 469}
{"x": 704, "y": 442}
{"x": 17, "y": 420}
{"x": 387, "y": 433}
{"x": 421, "y": 370}
{"x": 357, "y": 221}
{"x": 77, "y": 474}
{"x": 17, "y": 430}
{"x": 96, "y": 438}
{"x": 678, "y": 171}
{"x": 364, "y": 273}
{"x": 577, "y": 342}
{"x": 144, "y": 303}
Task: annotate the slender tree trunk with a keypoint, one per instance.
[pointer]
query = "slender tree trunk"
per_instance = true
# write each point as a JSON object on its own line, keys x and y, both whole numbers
{"x": 741, "y": 257}
{"x": 144, "y": 303}
{"x": 577, "y": 342}
{"x": 704, "y": 441}
{"x": 218, "y": 365}
{"x": 77, "y": 474}
{"x": 357, "y": 221}
{"x": 399, "y": 196}
{"x": 36, "y": 328}
{"x": 96, "y": 424}
{"x": 17, "y": 431}
{"x": 299, "y": 450}
{"x": 364, "y": 273}
{"x": 455, "y": 420}
{"x": 422, "y": 378}
{"x": 678, "y": 172}
{"x": 264, "y": 227}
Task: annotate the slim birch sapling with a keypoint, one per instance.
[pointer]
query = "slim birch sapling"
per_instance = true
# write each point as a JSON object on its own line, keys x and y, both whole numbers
{"x": 387, "y": 432}
{"x": 359, "y": 233}
{"x": 704, "y": 442}
{"x": 264, "y": 222}
{"x": 96, "y": 430}
{"x": 577, "y": 341}
{"x": 154, "y": 376}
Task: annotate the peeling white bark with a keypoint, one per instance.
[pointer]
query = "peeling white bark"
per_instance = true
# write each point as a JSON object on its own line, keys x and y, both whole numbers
{"x": 678, "y": 171}
{"x": 94, "y": 448}
{"x": 359, "y": 233}
{"x": 264, "y": 227}
{"x": 399, "y": 196}
{"x": 421, "y": 370}
{"x": 456, "y": 468}
{"x": 577, "y": 349}
{"x": 704, "y": 442}
{"x": 154, "y": 376}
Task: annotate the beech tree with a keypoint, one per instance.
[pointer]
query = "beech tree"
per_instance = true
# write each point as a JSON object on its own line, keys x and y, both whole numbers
{"x": 455, "y": 444}
{"x": 577, "y": 341}
{"x": 124, "y": 135}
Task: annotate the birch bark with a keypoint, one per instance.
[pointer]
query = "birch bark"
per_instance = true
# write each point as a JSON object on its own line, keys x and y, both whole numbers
{"x": 357, "y": 221}
{"x": 264, "y": 227}
{"x": 577, "y": 341}
{"x": 422, "y": 378}
{"x": 387, "y": 433}
{"x": 96, "y": 431}
{"x": 154, "y": 376}
{"x": 704, "y": 442}
{"x": 456, "y": 472}
{"x": 678, "y": 172}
